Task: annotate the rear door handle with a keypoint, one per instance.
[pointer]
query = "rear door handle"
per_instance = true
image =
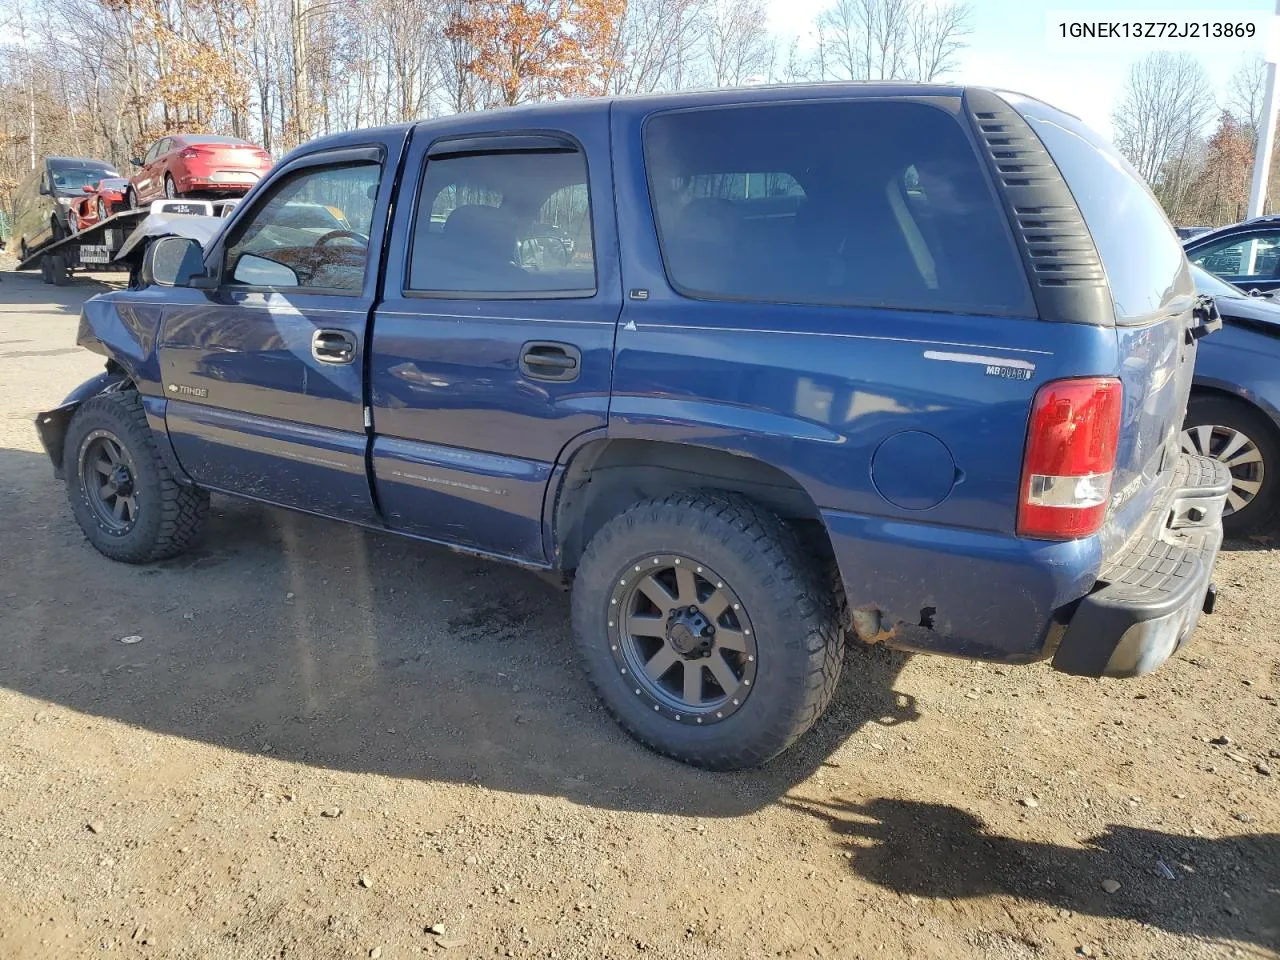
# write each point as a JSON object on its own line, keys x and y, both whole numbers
{"x": 333, "y": 346}
{"x": 546, "y": 360}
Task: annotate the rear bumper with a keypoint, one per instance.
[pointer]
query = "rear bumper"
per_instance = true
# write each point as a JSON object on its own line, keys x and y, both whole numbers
{"x": 1148, "y": 600}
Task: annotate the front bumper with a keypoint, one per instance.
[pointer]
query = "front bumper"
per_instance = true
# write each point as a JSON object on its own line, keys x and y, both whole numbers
{"x": 1148, "y": 600}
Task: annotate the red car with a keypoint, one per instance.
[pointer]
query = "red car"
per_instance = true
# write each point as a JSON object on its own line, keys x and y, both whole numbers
{"x": 104, "y": 198}
{"x": 196, "y": 164}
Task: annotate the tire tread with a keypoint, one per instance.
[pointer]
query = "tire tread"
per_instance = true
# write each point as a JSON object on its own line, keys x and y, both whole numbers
{"x": 760, "y": 536}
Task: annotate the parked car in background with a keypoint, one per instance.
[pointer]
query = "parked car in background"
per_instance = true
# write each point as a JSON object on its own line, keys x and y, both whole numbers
{"x": 1234, "y": 413}
{"x": 807, "y": 389}
{"x": 44, "y": 197}
{"x": 101, "y": 200}
{"x": 196, "y": 165}
{"x": 1245, "y": 254}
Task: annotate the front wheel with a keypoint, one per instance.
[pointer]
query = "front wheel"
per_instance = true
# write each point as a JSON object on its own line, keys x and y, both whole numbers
{"x": 1244, "y": 440}
{"x": 708, "y": 632}
{"x": 122, "y": 493}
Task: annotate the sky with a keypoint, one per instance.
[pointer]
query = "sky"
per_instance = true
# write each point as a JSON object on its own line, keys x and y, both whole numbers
{"x": 1009, "y": 48}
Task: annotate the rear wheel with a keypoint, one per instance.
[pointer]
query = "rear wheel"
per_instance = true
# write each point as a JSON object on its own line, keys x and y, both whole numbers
{"x": 1244, "y": 439}
{"x": 121, "y": 492}
{"x": 708, "y": 632}
{"x": 59, "y": 269}
{"x": 170, "y": 188}
{"x": 130, "y": 198}
{"x": 102, "y": 210}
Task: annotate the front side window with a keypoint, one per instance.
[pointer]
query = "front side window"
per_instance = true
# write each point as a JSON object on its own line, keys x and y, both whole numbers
{"x": 879, "y": 203}
{"x": 311, "y": 231}
{"x": 1256, "y": 257}
{"x": 504, "y": 224}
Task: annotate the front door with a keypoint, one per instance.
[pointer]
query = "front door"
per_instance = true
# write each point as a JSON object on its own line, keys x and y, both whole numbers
{"x": 264, "y": 374}
{"x": 1251, "y": 261}
{"x": 493, "y": 344}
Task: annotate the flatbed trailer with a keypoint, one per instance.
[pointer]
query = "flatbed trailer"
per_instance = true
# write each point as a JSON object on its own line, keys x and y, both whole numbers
{"x": 90, "y": 249}
{"x": 95, "y": 247}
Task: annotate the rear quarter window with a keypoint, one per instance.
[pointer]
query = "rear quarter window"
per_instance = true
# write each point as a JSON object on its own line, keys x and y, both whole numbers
{"x": 1140, "y": 252}
{"x": 835, "y": 202}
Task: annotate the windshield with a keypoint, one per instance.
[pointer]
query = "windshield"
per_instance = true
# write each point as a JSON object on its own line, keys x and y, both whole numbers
{"x": 1206, "y": 282}
{"x": 72, "y": 179}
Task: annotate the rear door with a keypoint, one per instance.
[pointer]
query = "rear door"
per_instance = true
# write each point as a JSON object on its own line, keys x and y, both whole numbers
{"x": 493, "y": 343}
{"x": 144, "y": 183}
{"x": 264, "y": 375}
{"x": 1153, "y": 294}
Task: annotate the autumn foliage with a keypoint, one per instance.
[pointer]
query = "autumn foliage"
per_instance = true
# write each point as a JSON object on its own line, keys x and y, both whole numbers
{"x": 538, "y": 49}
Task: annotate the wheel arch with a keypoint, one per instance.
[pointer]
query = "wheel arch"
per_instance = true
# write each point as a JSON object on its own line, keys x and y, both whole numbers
{"x": 604, "y": 476}
{"x": 52, "y": 424}
{"x": 1221, "y": 390}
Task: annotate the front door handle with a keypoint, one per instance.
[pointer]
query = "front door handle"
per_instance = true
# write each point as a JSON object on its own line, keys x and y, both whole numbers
{"x": 545, "y": 360}
{"x": 333, "y": 346}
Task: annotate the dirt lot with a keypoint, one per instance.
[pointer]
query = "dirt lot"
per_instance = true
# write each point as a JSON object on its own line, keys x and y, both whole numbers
{"x": 177, "y": 797}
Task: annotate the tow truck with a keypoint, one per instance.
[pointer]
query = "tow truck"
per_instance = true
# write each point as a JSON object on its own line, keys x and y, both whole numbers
{"x": 115, "y": 244}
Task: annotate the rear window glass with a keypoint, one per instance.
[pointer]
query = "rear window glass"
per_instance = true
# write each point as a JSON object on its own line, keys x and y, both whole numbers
{"x": 210, "y": 138}
{"x": 842, "y": 203}
{"x": 1140, "y": 252}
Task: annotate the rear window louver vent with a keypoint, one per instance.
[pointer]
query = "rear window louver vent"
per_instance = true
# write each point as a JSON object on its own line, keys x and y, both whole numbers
{"x": 1062, "y": 262}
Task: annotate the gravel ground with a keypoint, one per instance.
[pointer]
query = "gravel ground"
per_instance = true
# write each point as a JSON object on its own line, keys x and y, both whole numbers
{"x": 330, "y": 743}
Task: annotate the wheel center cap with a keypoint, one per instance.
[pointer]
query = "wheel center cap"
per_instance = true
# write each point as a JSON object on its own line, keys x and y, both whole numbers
{"x": 690, "y": 633}
{"x": 121, "y": 481}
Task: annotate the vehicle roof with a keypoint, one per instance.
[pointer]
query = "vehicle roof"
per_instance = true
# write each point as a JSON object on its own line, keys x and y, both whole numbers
{"x": 764, "y": 93}
{"x": 61, "y": 161}
{"x": 1244, "y": 226}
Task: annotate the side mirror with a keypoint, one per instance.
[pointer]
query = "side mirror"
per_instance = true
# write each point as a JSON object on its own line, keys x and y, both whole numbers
{"x": 172, "y": 262}
{"x": 136, "y": 161}
{"x": 45, "y": 191}
{"x": 88, "y": 188}
{"x": 257, "y": 271}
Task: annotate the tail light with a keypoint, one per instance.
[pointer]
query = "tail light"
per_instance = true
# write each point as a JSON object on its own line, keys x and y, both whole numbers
{"x": 1070, "y": 456}
{"x": 190, "y": 153}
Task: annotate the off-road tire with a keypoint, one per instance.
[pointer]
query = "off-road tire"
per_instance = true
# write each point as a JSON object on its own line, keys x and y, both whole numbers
{"x": 170, "y": 515}
{"x": 799, "y": 641}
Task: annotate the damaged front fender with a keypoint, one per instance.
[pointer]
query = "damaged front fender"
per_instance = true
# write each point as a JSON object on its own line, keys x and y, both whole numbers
{"x": 52, "y": 424}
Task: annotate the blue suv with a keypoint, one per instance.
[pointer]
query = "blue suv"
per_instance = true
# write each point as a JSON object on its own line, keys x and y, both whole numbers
{"x": 758, "y": 369}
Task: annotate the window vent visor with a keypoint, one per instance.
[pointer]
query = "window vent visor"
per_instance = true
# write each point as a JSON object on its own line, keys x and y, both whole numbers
{"x": 1062, "y": 262}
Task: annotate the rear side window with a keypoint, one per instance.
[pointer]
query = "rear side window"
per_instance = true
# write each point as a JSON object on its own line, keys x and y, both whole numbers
{"x": 1139, "y": 250}
{"x": 504, "y": 225}
{"x": 869, "y": 202}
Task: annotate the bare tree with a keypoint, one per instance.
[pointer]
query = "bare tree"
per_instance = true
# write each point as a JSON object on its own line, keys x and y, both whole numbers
{"x": 1166, "y": 104}
{"x": 936, "y": 35}
{"x": 738, "y": 49}
{"x": 889, "y": 39}
{"x": 656, "y": 46}
{"x": 1245, "y": 92}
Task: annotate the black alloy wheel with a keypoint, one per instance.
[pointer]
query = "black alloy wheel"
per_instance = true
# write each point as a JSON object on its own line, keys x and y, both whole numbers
{"x": 684, "y": 637}
{"x": 108, "y": 478}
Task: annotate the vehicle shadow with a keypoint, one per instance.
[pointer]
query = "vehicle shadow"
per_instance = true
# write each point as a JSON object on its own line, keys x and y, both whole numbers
{"x": 358, "y": 651}
{"x": 1224, "y": 888}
